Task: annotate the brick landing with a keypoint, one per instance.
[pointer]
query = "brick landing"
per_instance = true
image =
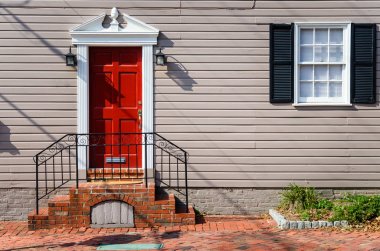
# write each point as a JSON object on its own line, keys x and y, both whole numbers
{"x": 222, "y": 235}
{"x": 74, "y": 210}
{"x": 131, "y": 174}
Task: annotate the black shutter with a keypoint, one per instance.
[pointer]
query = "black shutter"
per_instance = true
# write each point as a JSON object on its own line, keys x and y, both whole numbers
{"x": 281, "y": 63}
{"x": 363, "y": 63}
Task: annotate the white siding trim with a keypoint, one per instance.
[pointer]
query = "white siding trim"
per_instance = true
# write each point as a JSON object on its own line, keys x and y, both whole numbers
{"x": 147, "y": 100}
{"x": 82, "y": 99}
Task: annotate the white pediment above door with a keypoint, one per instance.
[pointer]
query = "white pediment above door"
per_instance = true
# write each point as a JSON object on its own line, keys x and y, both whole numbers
{"x": 116, "y": 28}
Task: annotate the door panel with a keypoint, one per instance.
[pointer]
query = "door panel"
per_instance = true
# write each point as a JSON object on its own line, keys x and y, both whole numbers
{"x": 115, "y": 101}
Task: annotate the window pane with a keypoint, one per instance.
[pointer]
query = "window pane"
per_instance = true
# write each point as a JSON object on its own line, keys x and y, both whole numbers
{"x": 306, "y": 89}
{"x": 320, "y": 89}
{"x": 306, "y": 36}
{"x": 306, "y": 72}
{"x": 335, "y": 72}
{"x": 336, "y": 53}
{"x": 306, "y": 54}
{"x": 320, "y": 72}
{"x": 321, "y": 54}
{"x": 336, "y": 36}
{"x": 321, "y": 36}
{"x": 335, "y": 89}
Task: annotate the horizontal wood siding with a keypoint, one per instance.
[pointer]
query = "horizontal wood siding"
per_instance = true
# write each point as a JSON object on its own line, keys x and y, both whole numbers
{"x": 212, "y": 98}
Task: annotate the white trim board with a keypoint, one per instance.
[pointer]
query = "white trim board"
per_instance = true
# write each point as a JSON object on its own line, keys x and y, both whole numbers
{"x": 135, "y": 33}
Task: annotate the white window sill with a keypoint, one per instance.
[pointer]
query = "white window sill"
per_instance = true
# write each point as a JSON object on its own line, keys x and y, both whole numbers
{"x": 321, "y": 104}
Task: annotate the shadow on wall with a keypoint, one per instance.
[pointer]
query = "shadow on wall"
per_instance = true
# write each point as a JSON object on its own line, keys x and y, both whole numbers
{"x": 29, "y": 30}
{"x": 6, "y": 145}
{"x": 5, "y": 142}
{"x": 175, "y": 70}
{"x": 179, "y": 74}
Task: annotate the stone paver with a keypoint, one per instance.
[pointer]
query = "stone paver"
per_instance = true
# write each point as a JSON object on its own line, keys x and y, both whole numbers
{"x": 224, "y": 235}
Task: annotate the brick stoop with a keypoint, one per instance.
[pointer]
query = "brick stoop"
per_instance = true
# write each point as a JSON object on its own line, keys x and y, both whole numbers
{"x": 74, "y": 210}
{"x": 125, "y": 174}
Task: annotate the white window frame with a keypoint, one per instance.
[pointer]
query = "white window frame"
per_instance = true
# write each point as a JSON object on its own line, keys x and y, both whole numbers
{"x": 346, "y": 93}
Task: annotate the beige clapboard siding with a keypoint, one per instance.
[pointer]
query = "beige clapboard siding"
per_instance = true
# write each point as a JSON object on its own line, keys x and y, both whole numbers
{"x": 87, "y": 12}
{"x": 35, "y": 128}
{"x": 41, "y": 106}
{"x": 241, "y": 153}
{"x": 257, "y": 35}
{"x": 212, "y": 168}
{"x": 97, "y": 3}
{"x": 229, "y": 183}
{"x": 272, "y": 136}
{"x": 295, "y": 115}
{"x": 211, "y": 98}
{"x": 226, "y": 176}
{"x": 238, "y": 105}
{"x": 36, "y": 137}
{"x": 258, "y": 130}
{"x": 214, "y": 82}
{"x": 267, "y": 121}
{"x": 25, "y": 59}
{"x": 75, "y": 19}
{"x": 37, "y": 98}
{"x": 64, "y": 90}
{"x": 39, "y": 82}
{"x": 32, "y": 147}
{"x": 245, "y": 4}
{"x": 38, "y": 114}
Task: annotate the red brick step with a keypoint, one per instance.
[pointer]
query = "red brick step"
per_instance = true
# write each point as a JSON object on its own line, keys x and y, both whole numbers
{"x": 74, "y": 210}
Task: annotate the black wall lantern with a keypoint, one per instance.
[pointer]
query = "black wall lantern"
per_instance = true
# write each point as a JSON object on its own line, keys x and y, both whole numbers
{"x": 71, "y": 59}
{"x": 160, "y": 58}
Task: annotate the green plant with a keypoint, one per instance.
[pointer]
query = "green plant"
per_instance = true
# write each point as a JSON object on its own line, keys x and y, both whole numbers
{"x": 298, "y": 198}
{"x": 324, "y": 204}
{"x": 305, "y": 215}
{"x": 357, "y": 208}
{"x": 307, "y": 204}
{"x": 199, "y": 213}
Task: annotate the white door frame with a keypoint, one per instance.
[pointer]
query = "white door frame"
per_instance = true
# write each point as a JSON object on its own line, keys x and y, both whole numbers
{"x": 92, "y": 33}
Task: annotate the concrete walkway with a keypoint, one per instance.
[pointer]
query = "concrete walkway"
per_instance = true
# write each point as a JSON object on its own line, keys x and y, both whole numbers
{"x": 224, "y": 235}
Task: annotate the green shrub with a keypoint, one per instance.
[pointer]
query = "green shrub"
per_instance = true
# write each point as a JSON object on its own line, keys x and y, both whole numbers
{"x": 305, "y": 215}
{"x": 306, "y": 203}
{"x": 324, "y": 204}
{"x": 357, "y": 208}
{"x": 298, "y": 198}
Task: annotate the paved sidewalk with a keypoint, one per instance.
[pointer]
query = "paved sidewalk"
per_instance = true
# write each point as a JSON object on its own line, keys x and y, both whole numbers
{"x": 226, "y": 235}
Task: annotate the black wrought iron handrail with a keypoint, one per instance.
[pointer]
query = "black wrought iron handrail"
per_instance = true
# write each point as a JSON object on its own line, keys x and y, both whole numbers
{"x": 120, "y": 155}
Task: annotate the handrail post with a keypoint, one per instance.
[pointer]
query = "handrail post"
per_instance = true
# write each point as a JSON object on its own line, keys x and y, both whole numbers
{"x": 37, "y": 209}
{"x": 76, "y": 162}
{"x": 186, "y": 189}
{"x": 146, "y": 159}
{"x": 153, "y": 149}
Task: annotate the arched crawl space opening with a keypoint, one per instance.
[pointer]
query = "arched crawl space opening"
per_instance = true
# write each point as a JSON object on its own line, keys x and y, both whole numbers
{"x": 112, "y": 213}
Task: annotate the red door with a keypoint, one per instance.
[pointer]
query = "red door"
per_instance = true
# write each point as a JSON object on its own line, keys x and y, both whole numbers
{"x": 115, "y": 107}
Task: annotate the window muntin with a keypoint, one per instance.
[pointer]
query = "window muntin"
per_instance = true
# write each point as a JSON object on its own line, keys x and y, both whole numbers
{"x": 322, "y": 60}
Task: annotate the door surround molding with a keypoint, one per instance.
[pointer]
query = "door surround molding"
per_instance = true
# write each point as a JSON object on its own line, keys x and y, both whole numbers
{"x": 93, "y": 33}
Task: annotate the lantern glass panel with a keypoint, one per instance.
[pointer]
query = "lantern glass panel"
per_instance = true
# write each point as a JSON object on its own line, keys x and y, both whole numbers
{"x": 70, "y": 60}
{"x": 160, "y": 60}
